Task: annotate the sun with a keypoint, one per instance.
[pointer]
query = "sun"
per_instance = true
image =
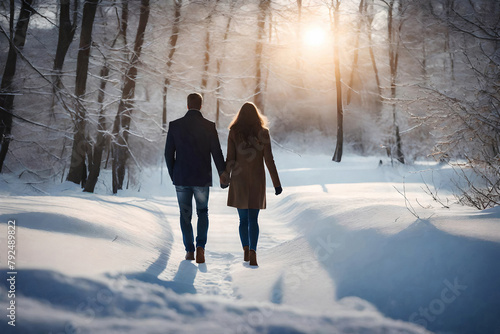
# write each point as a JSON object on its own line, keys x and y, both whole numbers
{"x": 314, "y": 36}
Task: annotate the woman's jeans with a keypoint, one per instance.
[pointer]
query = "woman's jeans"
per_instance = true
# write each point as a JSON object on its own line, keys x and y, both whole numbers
{"x": 249, "y": 227}
{"x": 185, "y": 198}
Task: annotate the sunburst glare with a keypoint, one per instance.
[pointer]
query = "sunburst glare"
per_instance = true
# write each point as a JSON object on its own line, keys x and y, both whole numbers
{"x": 314, "y": 36}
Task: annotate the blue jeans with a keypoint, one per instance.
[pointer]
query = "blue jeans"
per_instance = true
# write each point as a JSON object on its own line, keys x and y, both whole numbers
{"x": 185, "y": 198}
{"x": 249, "y": 227}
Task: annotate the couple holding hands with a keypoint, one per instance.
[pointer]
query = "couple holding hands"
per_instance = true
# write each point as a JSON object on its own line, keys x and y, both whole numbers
{"x": 192, "y": 141}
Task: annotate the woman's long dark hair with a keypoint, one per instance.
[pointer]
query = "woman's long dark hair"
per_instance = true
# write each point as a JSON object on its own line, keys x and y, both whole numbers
{"x": 249, "y": 122}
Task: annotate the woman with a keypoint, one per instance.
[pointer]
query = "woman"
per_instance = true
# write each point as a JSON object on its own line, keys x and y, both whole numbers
{"x": 249, "y": 146}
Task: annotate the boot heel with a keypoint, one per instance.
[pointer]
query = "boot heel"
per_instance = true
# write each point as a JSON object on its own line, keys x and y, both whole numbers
{"x": 246, "y": 253}
{"x": 253, "y": 258}
{"x": 200, "y": 255}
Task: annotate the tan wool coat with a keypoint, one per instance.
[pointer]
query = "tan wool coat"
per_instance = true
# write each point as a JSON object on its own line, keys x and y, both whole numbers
{"x": 245, "y": 166}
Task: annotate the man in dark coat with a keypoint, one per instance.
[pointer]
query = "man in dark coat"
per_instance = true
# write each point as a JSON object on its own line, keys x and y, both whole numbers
{"x": 191, "y": 142}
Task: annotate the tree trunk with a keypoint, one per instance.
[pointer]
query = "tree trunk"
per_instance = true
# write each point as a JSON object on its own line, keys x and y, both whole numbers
{"x": 172, "y": 45}
{"x": 354, "y": 67}
{"x": 393, "y": 64}
{"x": 449, "y": 6}
{"x": 261, "y": 24}
{"x": 101, "y": 140}
{"x": 11, "y": 19}
{"x": 270, "y": 29}
{"x": 66, "y": 33}
{"x": 206, "y": 58}
{"x": 424, "y": 56}
{"x": 96, "y": 153}
{"x": 337, "y": 157}
{"x": 6, "y": 89}
{"x": 370, "y": 49}
{"x": 78, "y": 169}
{"x": 124, "y": 21}
{"x": 121, "y": 125}
{"x": 219, "y": 65}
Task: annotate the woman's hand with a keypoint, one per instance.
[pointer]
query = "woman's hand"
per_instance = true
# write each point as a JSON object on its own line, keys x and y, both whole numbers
{"x": 278, "y": 190}
{"x": 224, "y": 180}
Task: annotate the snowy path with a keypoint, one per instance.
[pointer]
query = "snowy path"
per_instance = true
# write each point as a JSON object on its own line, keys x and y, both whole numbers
{"x": 213, "y": 277}
{"x": 287, "y": 265}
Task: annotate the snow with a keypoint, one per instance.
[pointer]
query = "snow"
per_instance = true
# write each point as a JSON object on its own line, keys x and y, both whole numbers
{"x": 339, "y": 252}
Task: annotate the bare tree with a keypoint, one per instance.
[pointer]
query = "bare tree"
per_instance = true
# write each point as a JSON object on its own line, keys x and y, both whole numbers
{"x": 208, "y": 44}
{"x": 470, "y": 118}
{"x": 172, "y": 48}
{"x": 334, "y": 21}
{"x": 448, "y": 14}
{"x": 369, "y": 15}
{"x": 394, "y": 24}
{"x": 67, "y": 28}
{"x": 261, "y": 24}
{"x": 97, "y": 149}
{"x": 6, "y": 89}
{"x": 11, "y": 19}
{"x": 78, "y": 169}
{"x": 354, "y": 66}
{"x": 219, "y": 63}
{"x": 123, "y": 117}
{"x": 447, "y": 48}
{"x": 124, "y": 22}
{"x": 366, "y": 16}
{"x": 95, "y": 153}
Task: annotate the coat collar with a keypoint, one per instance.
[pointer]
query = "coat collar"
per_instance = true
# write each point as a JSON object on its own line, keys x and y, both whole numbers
{"x": 194, "y": 112}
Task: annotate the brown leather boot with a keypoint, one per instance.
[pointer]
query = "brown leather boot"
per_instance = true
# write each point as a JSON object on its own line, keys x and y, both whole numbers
{"x": 253, "y": 258}
{"x": 246, "y": 253}
{"x": 190, "y": 256}
{"x": 200, "y": 255}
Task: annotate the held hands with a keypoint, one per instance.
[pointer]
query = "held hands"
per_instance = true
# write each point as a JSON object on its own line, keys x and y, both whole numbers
{"x": 278, "y": 190}
{"x": 224, "y": 180}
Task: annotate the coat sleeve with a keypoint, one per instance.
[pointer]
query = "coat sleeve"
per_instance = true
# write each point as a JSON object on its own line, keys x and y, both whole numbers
{"x": 170, "y": 152}
{"x": 231, "y": 153}
{"x": 269, "y": 159}
{"x": 217, "y": 151}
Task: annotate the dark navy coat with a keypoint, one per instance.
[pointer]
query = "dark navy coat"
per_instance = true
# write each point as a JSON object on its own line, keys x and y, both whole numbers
{"x": 191, "y": 142}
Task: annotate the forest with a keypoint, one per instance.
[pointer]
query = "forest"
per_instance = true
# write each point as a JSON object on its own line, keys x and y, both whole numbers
{"x": 91, "y": 85}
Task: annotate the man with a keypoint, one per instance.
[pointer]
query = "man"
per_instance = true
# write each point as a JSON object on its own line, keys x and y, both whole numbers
{"x": 191, "y": 141}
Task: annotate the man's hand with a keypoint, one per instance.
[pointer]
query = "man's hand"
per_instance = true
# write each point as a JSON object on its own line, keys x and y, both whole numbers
{"x": 278, "y": 190}
{"x": 224, "y": 180}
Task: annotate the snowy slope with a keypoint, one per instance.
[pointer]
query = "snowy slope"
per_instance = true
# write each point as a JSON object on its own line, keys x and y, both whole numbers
{"x": 338, "y": 253}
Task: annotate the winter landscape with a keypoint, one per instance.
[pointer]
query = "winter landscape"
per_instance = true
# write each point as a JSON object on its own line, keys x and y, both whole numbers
{"x": 339, "y": 253}
{"x": 385, "y": 125}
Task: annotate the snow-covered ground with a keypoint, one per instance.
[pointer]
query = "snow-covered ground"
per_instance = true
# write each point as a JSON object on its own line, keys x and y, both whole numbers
{"x": 339, "y": 252}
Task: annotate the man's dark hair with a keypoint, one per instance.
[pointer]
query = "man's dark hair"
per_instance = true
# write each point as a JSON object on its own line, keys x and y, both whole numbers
{"x": 194, "y": 101}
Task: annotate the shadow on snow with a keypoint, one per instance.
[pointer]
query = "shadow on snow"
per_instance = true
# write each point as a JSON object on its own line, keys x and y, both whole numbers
{"x": 422, "y": 274}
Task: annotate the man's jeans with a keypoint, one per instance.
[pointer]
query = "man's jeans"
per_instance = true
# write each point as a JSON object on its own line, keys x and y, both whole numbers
{"x": 185, "y": 198}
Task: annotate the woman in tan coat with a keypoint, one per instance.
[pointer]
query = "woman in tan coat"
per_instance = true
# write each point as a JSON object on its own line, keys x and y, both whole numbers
{"x": 249, "y": 146}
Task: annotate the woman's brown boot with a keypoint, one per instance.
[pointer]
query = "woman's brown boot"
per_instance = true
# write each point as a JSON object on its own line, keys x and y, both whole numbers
{"x": 246, "y": 253}
{"x": 253, "y": 258}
